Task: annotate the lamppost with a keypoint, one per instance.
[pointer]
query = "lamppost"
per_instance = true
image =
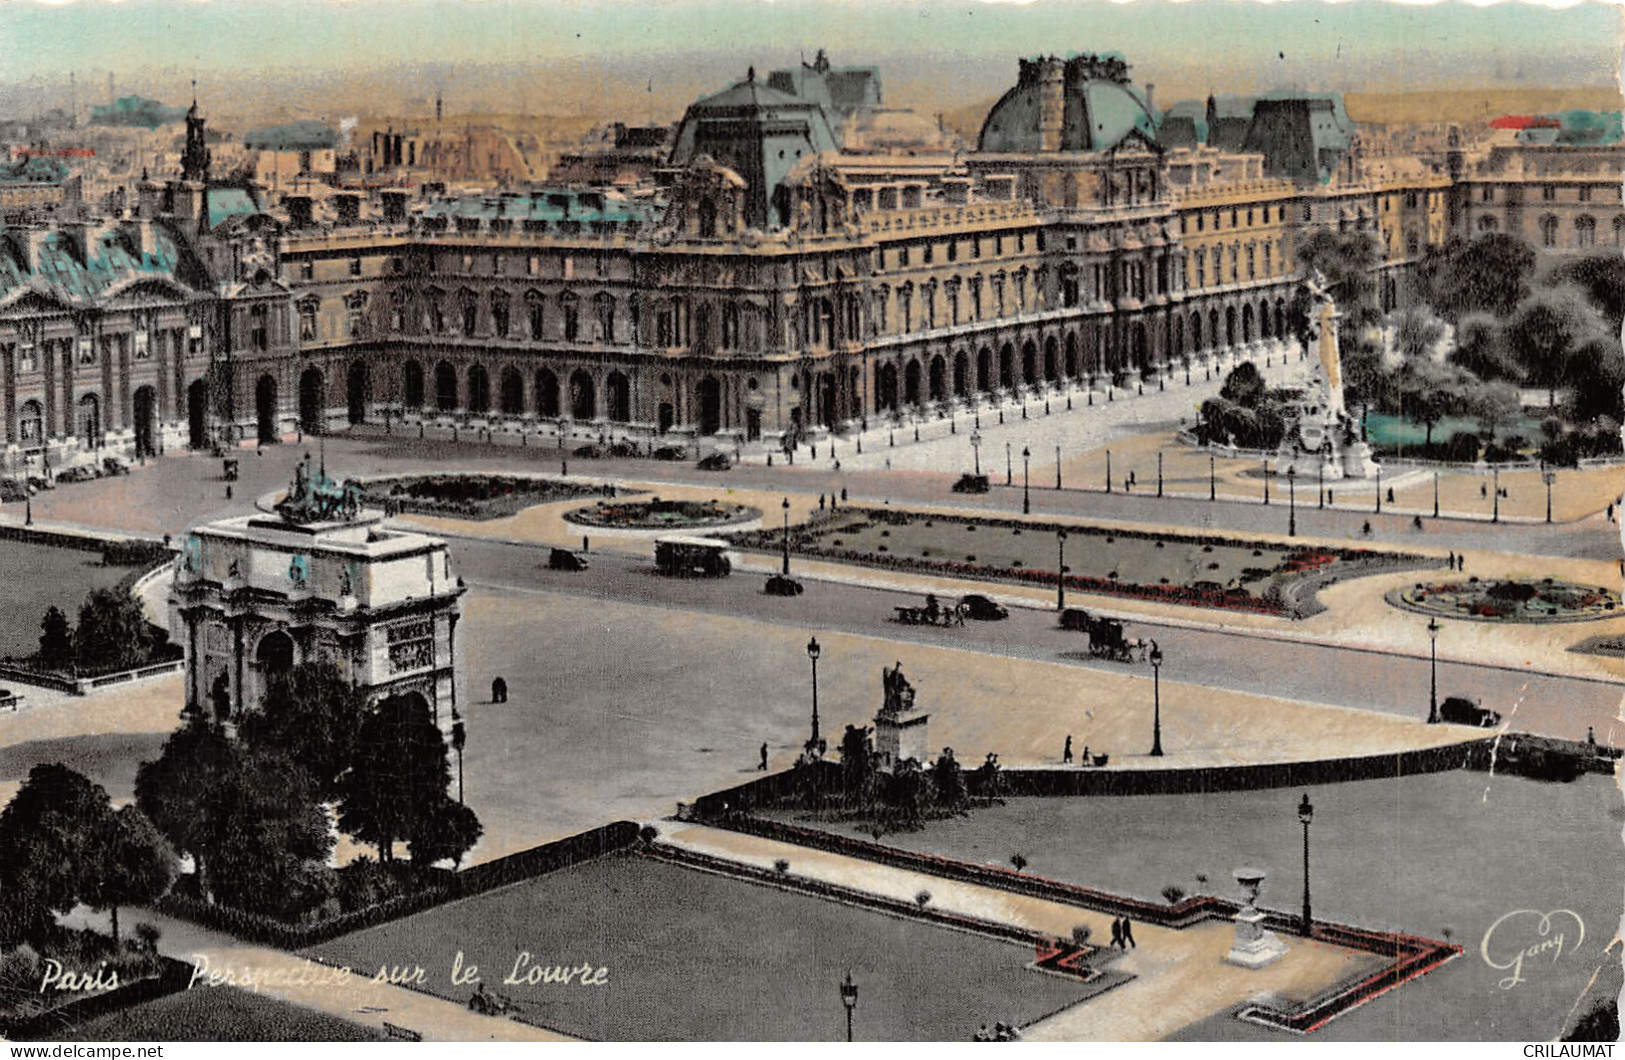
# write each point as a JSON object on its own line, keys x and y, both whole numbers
{"x": 813, "y": 651}
{"x": 1156, "y": 700}
{"x": 459, "y": 737}
{"x": 1379, "y": 489}
{"x": 1292, "y": 501}
{"x": 1320, "y": 481}
{"x": 1060, "y": 569}
{"x": 1266, "y": 468}
{"x": 1108, "y": 471}
{"x": 1433, "y": 670}
{"x": 976, "y": 448}
{"x": 1026, "y": 481}
{"x": 1549, "y": 477}
{"x": 1306, "y": 813}
{"x": 849, "y": 998}
{"x": 1057, "y": 467}
{"x": 1009, "y": 474}
{"x": 785, "y": 569}
{"x": 1159, "y": 472}
{"x": 1212, "y": 482}
{"x": 1495, "y": 516}
{"x": 1435, "y": 495}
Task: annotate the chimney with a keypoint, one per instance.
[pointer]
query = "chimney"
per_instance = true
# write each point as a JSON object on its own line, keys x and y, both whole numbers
{"x": 394, "y": 205}
{"x": 1051, "y": 104}
{"x": 148, "y": 192}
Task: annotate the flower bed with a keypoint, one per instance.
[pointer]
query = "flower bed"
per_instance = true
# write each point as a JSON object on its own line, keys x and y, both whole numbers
{"x": 1509, "y": 600}
{"x": 657, "y": 514}
{"x": 471, "y": 496}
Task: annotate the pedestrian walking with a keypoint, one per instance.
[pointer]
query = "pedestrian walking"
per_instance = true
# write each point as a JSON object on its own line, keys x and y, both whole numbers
{"x": 1416, "y": 521}
{"x": 1390, "y": 494}
{"x": 1591, "y": 736}
{"x": 1452, "y": 559}
{"x": 820, "y": 502}
{"x": 1483, "y": 490}
{"x": 1066, "y": 754}
{"x": 585, "y": 543}
{"x": 1085, "y": 759}
{"x": 1117, "y": 933}
{"x": 1128, "y": 934}
{"x": 763, "y": 767}
{"x": 1366, "y": 529}
{"x": 499, "y": 690}
{"x": 843, "y": 494}
{"x": 1610, "y": 511}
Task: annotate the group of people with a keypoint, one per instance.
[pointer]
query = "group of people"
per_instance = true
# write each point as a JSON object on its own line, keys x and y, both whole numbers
{"x": 1066, "y": 753}
{"x": 1123, "y": 933}
{"x": 1456, "y": 562}
{"x": 1000, "y": 1032}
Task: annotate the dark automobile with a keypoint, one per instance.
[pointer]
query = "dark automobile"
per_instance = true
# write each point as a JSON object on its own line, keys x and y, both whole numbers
{"x": 983, "y": 609}
{"x": 671, "y": 452}
{"x": 1075, "y": 619}
{"x": 40, "y": 482}
{"x": 623, "y": 449}
{"x": 971, "y": 484}
{"x": 1458, "y": 710}
{"x": 564, "y": 559}
{"x": 589, "y": 451}
{"x": 782, "y": 585}
{"x": 715, "y": 462}
{"x": 12, "y": 490}
{"x": 112, "y": 465}
{"x": 77, "y": 474}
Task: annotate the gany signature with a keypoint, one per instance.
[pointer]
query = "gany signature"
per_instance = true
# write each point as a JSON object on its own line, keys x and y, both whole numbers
{"x": 1526, "y": 934}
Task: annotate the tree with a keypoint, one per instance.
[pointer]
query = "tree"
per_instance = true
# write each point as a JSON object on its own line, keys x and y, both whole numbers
{"x": 948, "y": 781}
{"x": 1429, "y": 392}
{"x": 1417, "y": 333}
{"x": 113, "y": 632}
{"x": 313, "y": 715}
{"x": 56, "y": 640}
{"x": 177, "y": 791}
{"x": 399, "y": 774}
{"x": 1244, "y": 385}
{"x": 857, "y": 763}
{"x": 448, "y": 830}
{"x": 1489, "y": 274}
{"x": 1602, "y": 278}
{"x": 49, "y": 850}
{"x": 135, "y": 864}
{"x": 1493, "y": 405}
{"x": 1596, "y": 371}
{"x": 268, "y": 837}
{"x": 1547, "y": 331}
{"x": 1348, "y": 261}
{"x": 1481, "y": 348}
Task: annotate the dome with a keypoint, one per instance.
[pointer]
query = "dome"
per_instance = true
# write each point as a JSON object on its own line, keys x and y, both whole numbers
{"x": 1081, "y": 104}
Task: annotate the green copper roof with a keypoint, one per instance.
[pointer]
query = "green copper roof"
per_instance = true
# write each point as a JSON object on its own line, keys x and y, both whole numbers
{"x": 81, "y": 274}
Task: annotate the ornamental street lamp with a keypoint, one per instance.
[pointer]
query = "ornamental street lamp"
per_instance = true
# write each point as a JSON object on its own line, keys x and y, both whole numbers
{"x": 1212, "y": 482}
{"x": 1306, "y": 813}
{"x": 1292, "y": 501}
{"x": 1266, "y": 467}
{"x": 1495, "y": 516}
{"x": 1026, "y": 481}
{"x": 1435, "y": 495}
{"x": 849, "y": 998}
{"x": 976, "y": 448}
{"x": 1379, "y": 489}
{"x": 1549, "y": 477}
{"x": 785, "y": 569}
{"x": 813, "y": 651}
{"x": 1320, "y": 481}
{"x": 1009, "y": 474}
{"x": 1108, "y": 471}
{"x": 1057, "y": 467}
{"x": 1159, "y": 472}
{"x": 1156, "y": 700}
{"x": 1433, "y": 671}
{"x": 1060, "y": 569}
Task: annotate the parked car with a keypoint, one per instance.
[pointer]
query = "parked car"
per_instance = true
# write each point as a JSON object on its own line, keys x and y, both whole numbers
{"x": 12, "y": 490}
{"x": 114, "y": 466}
{"x": 782, "y": 585}
{"x": 983, "y": 609}
{"x": 971, "y": 484}
{"x": 590, "y": 451}
{"x": 1459, "y": 710}
{"x": 671, "y": 452}
{"x": 1076, "y": 619}
{"x": 78, "y": 474}
{"x": 564, "y": 559}
{"x": 40, "y": 482}
{"x": 715, "y": 462}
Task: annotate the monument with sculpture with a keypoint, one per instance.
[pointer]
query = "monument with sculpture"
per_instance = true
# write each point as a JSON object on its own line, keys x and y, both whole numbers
{"x": 1255, "y": 946}
{"x": 900, "y": 729}
{"x": 319, "y": 577}
{"x": 1322, "y": 440}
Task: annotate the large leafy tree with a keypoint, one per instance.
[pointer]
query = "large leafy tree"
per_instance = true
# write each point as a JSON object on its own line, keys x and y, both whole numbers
{"x": 135, "y": 865}
{"x": 1596, "y": 372}
{"x": 399, "y": 775}
{"x": 447, "y": 830}
{"x": 1489, "y": 274}
{"x": 268, "y": 837}
{"x": 113, "y": 632}
{"x": 50, "y": 852}
{"x": 1348, "y": 261}
{"x": 1548, "y": 331}
{"x": 1602, "y": 278}
{"x": 1481, "y": 348}
{"x": 56, "y": 640}
{"x": 177, "y": 791}
{"x": 312, "y": 714}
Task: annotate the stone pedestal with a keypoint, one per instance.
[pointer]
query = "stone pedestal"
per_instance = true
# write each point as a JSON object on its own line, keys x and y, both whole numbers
{"x": 1255, "y": 946}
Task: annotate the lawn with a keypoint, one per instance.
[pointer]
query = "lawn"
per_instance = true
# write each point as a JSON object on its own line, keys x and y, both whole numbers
{"x": 37, "y": 576}
{"x": 1444, "y": 854}
{"x": 217, "y": 1014}
{"x": 693, "y": 956}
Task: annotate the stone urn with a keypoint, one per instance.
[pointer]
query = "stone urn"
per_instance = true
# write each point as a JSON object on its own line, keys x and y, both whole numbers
{"x": 1254, "y": 946}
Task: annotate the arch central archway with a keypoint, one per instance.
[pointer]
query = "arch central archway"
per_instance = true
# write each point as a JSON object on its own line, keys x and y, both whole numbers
{"x": 197, "y": 412}
{"x": 709, "y": 393}
{"x": 311, "y": 404}
{"x": 144, "y": 406}
{"x": 583, "y": 396}
{"x": 356, "y": 392}
{"x": 265, "y": 409}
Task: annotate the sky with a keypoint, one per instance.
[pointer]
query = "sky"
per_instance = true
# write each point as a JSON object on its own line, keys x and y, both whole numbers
{"x": 157, "y": 46}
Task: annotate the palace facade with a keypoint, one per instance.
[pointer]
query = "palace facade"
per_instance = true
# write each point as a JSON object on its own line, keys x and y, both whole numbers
{"x": 766, "y": 286}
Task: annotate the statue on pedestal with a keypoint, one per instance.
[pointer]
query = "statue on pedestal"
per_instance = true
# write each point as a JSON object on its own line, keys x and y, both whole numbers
{"x": 1321, "y": 437}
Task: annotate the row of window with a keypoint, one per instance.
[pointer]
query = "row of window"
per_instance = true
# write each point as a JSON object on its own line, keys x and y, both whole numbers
{"x": 1254, "y": 215}
{"x": 1548, "y": 193}
{"x": 902, "y": 257}
{"x": 87, "y": 352}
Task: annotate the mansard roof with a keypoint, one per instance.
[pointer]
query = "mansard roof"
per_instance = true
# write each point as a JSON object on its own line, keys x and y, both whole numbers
{"x": 91, "y": 264}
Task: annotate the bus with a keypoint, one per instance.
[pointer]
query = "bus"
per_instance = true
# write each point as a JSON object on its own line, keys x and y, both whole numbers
{"x": 692, "y": 557}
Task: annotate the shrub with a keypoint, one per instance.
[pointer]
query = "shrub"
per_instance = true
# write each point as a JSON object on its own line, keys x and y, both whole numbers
{"x": 1080, "y": 934}
{"x": 1173, "y": 894}
{"x": 781, "y": 866}
{"x": 922, "y": 899}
